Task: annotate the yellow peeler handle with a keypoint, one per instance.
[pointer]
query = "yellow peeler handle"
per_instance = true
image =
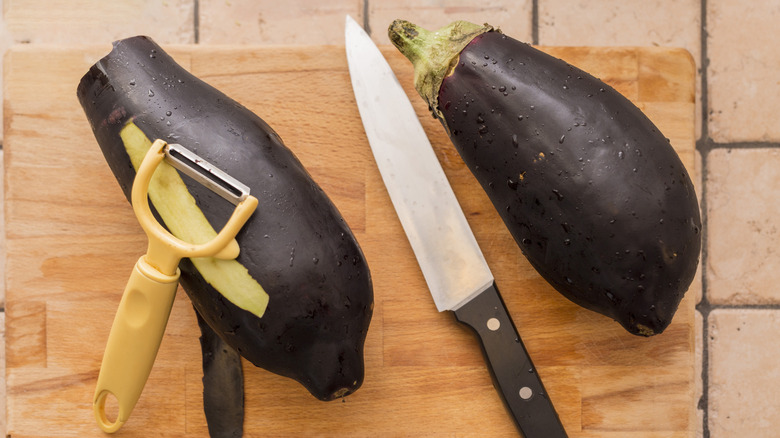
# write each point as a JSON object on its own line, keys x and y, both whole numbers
{"x": 134, "y": 340}
{"x": 146, "y": 303}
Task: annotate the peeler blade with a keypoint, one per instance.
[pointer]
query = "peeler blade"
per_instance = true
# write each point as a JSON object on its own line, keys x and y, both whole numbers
{"x": 205, "y": 173}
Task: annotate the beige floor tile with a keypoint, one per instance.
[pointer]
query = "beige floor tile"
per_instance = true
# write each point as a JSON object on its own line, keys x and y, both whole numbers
{"x": 616, "y": 22}
{"x": 742, "y": 74}
{"x": 743, "y": 226}
{"x": 668, "y": 23}
{"x": 512, "y": 17}
{"x": 744, "y": 373}
{"x": 275, "y": 22}
{"x": 97, "y": 21}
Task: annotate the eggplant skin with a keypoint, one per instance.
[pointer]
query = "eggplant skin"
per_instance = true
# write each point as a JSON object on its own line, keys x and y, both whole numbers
{"x": 592, "y": 192}
{"x": 223, "y": 385}
{"x": 296, "y": 245}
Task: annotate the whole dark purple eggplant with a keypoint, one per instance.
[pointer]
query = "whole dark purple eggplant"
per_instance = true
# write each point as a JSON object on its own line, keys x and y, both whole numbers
{"x": 297, "y": 252}
{"x": 590, "y": 189}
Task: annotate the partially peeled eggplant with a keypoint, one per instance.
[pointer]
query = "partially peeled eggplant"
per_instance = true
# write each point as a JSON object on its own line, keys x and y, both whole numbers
{"x": 298, "y": 299}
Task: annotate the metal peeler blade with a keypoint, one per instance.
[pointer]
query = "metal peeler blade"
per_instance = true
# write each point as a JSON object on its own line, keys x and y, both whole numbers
{"x": 205, "y": 173}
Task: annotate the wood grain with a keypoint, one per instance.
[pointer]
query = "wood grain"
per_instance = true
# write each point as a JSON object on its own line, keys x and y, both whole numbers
{"x": 72, "y": 240}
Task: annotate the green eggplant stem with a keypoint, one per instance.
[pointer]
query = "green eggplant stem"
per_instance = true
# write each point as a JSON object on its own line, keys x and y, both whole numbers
{"x": 433, "y": 54}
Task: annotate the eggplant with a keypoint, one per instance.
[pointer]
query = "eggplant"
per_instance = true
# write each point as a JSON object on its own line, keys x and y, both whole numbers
{"x": 591, "y": 191}
{"x": 298, "y": 299}
{"x": 223, "y": 385}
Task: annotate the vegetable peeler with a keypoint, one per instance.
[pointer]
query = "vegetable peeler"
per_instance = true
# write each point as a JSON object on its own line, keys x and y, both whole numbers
{"x": 146, "y": 302}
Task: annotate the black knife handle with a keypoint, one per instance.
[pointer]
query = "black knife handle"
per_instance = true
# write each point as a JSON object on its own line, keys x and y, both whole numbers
{"x": 514, "y": 375}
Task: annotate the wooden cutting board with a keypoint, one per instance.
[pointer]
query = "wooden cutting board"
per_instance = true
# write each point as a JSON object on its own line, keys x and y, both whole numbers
{"x": 72, "y": 240}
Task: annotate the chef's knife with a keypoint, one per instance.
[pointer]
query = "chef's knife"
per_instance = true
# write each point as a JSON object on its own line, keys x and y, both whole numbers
{"x": 448, "y": 254}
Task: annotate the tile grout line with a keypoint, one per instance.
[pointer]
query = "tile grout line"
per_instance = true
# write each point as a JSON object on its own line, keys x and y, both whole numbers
{"x": 772, "y": 306}
{"x": 708, "y": 144}
{"x": 704, "y": 145}
{"x": 196, "y": 20}
{"x": 366, "y": 27}
{"x": 704, "y": 308}
{"x": 534, "y": 22}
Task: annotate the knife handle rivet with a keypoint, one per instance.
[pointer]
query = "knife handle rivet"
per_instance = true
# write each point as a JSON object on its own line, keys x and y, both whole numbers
{"x": 493, "y": 324}
{"x": 526, "y": 393}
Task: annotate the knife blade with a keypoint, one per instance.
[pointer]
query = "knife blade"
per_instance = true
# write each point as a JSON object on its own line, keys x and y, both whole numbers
{"x": 449, "y": 256}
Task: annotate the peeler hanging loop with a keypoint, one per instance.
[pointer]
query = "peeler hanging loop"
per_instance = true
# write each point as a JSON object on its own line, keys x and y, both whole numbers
{"x": 147, "y": 300}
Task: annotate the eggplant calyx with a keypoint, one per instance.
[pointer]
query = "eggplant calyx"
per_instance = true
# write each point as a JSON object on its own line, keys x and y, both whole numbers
{"x": 434, "y": 55}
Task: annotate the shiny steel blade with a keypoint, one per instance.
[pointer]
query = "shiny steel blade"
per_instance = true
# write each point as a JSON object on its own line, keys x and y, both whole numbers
{"x": 445, "y": 247}
{"x": 205, "y": 173}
